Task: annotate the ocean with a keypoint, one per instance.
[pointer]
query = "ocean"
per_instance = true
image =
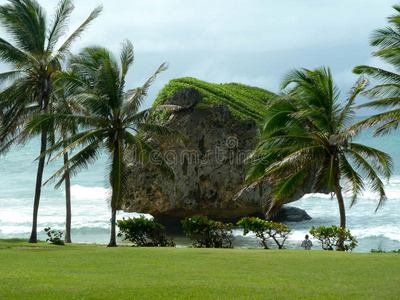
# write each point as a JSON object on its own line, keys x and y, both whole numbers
{"x": 91, "y": 213}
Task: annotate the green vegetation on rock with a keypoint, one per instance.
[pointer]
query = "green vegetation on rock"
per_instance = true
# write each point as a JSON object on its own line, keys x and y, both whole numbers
{"x": 243, "y": 101}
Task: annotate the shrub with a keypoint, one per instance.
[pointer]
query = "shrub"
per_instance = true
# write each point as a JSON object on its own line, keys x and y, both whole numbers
{"x": 330, "y": 237}
{"x": 207, "y": 233}
{"x": 265, "y": 230}
{"x": 378, "y": 251}
{"x": 144, "y": 232}
{"x": 383, "y": 251}
{"x": 54, "y": 236}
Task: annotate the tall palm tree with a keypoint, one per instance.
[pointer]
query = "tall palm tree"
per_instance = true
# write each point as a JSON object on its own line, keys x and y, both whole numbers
{"x": 35, "y": 59}
{"x": 387, "y": 40}
{"x": 62, "y": 105}
{"x": 97, "y": 80}
{"x": 305, "y": 135}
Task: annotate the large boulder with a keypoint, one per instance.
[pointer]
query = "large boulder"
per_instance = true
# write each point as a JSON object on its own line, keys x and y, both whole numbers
{"x": 209, "y": 170}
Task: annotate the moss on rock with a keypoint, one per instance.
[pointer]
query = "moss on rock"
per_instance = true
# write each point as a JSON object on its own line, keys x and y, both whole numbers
{"x": 242, "y": 100}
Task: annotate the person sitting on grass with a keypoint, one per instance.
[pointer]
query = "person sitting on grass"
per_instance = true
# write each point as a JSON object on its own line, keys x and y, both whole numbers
{"x": 306, "y": 244}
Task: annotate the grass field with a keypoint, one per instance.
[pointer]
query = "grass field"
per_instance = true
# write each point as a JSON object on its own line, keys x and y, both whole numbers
{"x": 96, "y": 272}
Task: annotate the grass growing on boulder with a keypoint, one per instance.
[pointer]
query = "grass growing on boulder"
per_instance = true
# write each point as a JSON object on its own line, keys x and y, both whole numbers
{"x": 242, "y": 100}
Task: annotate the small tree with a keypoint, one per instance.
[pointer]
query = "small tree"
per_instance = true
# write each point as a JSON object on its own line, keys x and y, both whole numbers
{"x": 144, "y": 232}
{"x": 207, "y": 233}
{"x": 54, "y": 236}
{"x": 334, "y": 237}
{"x": 265, "y": 230}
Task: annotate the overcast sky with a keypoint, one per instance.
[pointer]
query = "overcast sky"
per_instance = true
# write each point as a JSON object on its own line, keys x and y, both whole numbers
{"x": 254, "y": 42}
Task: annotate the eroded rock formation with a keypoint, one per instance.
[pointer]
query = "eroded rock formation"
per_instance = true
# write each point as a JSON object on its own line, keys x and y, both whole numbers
{"x": 209, "y": 171}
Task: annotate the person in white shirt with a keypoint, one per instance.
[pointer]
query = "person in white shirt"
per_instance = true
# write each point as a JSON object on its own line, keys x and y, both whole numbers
{"x": 306, "y": 244}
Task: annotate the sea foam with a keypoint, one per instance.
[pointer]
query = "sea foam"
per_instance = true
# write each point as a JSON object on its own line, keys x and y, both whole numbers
{"x": 89, "y": 193}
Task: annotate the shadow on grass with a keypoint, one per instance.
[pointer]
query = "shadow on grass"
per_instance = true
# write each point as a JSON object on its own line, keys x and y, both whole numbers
{"x": 22, "y": 244}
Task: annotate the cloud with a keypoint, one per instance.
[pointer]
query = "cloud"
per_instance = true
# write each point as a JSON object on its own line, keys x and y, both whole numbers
{"x": 212, "y": 70}
{"x": 178, "y": 25}
{"x": 345, "y": 78}
{"x": 229, "y": 26}
{"x": 253, "y": 42}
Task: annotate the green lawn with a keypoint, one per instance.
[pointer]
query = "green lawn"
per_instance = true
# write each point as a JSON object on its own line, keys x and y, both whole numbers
{"x": 97, "y": 272}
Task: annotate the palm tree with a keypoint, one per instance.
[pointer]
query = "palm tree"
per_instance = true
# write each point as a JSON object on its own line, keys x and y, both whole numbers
{"x": 97, "y": 80}
{"x": 388, "y": 93}
{"x": 35, "y": 60}
{"x": 305, "y": 135}
{"x": 68, "y": 209}
{"x": 63, "y": 106}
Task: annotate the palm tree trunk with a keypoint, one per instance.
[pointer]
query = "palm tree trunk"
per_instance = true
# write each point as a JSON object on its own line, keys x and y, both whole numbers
{"x": 113, "y": 241}
{"x": 38, "y": 188}
{"x": 342, "y": 213}
{"x": 67, "y": 237}
{"x": 342, "y": 210}
{"x": 115, "y": 182}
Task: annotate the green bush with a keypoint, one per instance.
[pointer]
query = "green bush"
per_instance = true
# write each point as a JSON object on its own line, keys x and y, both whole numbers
{"x": 378, "y": 251}
{"x": 330, "y": 238}
{"x": 383, "y": 251}
{"x": 144, "y": 232}
{"x": 54, "y": 236}
{"x": 265, "y": 230}
{"x": 207, "y": 233}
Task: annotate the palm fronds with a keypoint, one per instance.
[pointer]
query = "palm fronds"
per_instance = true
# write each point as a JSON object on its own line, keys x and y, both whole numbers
{"x": 386, "y": 96}
{"x": 106, "y": 115}
{"x": 31, "y": 54}
{"x": 305, "y": 134}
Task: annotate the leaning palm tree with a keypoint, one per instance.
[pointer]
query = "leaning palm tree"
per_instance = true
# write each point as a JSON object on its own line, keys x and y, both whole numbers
{"x": 387, "y": 40}
{"x": 35, "y": 59}
{"x": 112, "y": 118}
{"x": 306, "y": 134}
